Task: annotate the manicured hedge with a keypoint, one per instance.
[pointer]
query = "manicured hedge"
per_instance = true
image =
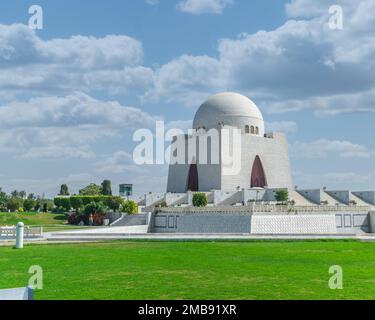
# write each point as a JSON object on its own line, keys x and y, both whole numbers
{"x": 78, "y": 202}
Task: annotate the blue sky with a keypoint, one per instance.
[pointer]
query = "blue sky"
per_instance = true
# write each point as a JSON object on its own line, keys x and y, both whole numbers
{"x": 72, "y": 94}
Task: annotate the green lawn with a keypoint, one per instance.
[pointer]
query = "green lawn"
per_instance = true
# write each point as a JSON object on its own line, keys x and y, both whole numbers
{"x": 32, "y": 218}
{"x": 50, "y": 221}
{"x": 194, "y": 270}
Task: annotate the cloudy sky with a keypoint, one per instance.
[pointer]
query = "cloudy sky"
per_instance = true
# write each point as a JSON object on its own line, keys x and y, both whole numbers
{"x": 72, "y": 94}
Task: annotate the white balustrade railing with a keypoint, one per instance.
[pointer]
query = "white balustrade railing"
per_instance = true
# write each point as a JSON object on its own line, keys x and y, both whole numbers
{"x": 271, "y": 208}
{"x": 29, "y": 232}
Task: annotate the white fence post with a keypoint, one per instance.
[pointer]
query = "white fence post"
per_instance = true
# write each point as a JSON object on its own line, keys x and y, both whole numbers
{"x": 19, "y": 235}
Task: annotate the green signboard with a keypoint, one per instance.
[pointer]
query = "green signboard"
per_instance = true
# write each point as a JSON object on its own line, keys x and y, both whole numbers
{"x": 126, "y": 190}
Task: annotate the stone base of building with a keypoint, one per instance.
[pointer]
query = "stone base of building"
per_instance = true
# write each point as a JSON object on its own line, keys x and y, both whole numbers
{"x": 337, "y": 222}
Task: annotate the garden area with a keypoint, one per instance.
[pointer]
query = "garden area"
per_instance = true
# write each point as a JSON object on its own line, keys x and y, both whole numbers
{"x": 91, "y": 207}
{"x": 175, "y": 270}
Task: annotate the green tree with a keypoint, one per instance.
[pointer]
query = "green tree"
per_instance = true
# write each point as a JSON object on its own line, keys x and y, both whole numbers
{"x": 14, "y": 203}
{"x": 282, "y": 196}
{"x": 15, "y": 194}
{"x": 130, "y": 207}
{"x": 106, "y": 188}
{"x": 29, "y": 204}
{"x": 64, "y": 191}
{"x": 3, "y": 199}
{"x": 115, "y": 203}
{"x": 91, "y": 190}
{"x": 31, "y": 196}
{"x": 199, "y": 199}
{"x": 77, "y": 203}
{"x": 62, "y": 202}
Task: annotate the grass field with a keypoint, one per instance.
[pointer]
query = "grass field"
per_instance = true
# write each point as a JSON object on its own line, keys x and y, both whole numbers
{"x": 193, "y": 270}
{"x": 49, "y": 221}
{"x": 32, "y": 218}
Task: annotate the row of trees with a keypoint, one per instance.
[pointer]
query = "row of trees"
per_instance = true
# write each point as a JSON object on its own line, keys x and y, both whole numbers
{"x": 20, "y": 201}
{"x": 79, "y": 203}
{"x": 91, "y": 190}
{"x": 93, "y": 209}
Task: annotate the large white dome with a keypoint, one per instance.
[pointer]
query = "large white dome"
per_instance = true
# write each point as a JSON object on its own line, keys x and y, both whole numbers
{"x": 231, "y": 109}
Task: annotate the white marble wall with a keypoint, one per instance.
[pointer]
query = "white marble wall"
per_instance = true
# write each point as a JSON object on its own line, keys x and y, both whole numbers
{"x": 293, "y": 224}
{"x": 272, "y": 150}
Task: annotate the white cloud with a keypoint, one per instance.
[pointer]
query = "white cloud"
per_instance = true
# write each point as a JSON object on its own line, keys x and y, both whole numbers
{"x": 300, "y": 65}
{"x": 20, "y": 45}
{"x": 282, "y": 126}
{"x": 187, "y": 79}
{"x": 351, "y": 177}
{"x": 323, "y": 148}
{"x": 119, "y": 162}
{"x": 328, "y": 105}
{"x": 50, "y": 127}
{"x": 198, "y": 7}
{"x": 349, "y": 180}
{"x": 308, "y": 8}
{"x": 28, "y": 63}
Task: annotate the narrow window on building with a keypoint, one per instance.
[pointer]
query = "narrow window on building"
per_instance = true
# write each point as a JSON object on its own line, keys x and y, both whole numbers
{"x": 247, "y": 129}
{"x": 252, "y": 130}
{"x": 256, "y": 130}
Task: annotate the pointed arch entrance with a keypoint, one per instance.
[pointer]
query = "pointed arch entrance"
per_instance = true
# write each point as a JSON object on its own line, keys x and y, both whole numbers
{"x": 192, "y": 181}
{"x": 258, "y": 178}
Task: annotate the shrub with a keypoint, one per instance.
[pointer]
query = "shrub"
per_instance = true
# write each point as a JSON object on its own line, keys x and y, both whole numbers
{"x": 114, "y": 203}
{"x": 50, "y": 205}
{"x": 282, "y": 195}
{"x": 63, "y": 202}
{"x": 74, "y": 218}
{"x": 162, "y": 204}
{"x": 29, "y": 204}
{"x": 130, "y": 207}
{"x": 57, "y": 202}
{"x": 95, "y": 207}
{"x": 199, "y": 199}
{"x": 98, "y": 219}
{"x": 14, "y": 203}
{"x": 76, "y": 203}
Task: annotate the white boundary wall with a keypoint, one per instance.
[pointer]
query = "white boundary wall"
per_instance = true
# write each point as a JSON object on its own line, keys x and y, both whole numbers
{"x": 288, "y": 224}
